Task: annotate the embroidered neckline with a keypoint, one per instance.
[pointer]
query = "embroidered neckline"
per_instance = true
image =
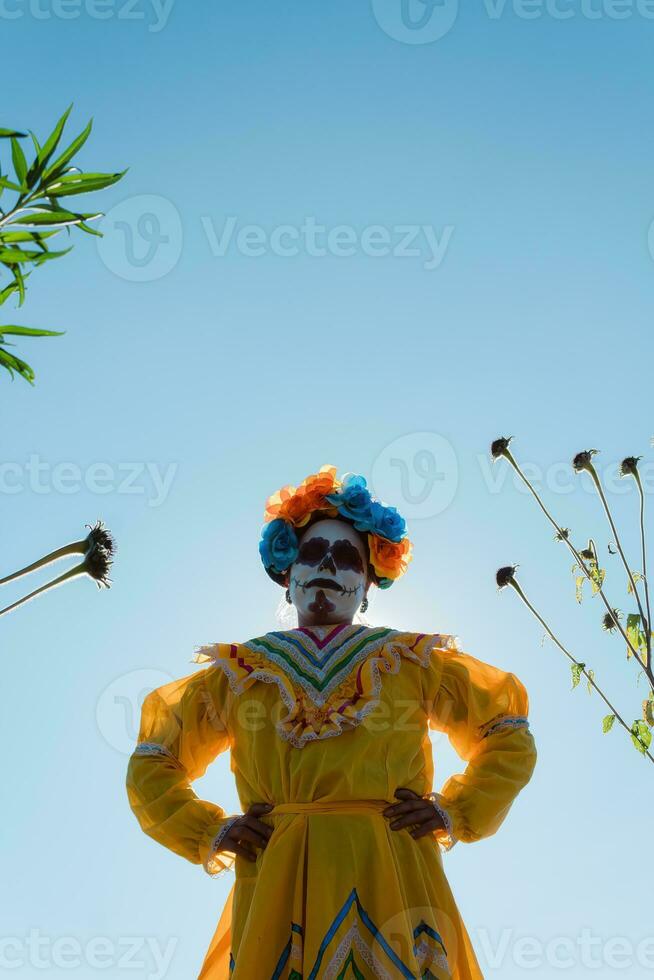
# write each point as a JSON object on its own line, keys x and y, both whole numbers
{"x": 328, "y": 691}
{"x": 321, "y": 643}
{"x": 320, "y": 665}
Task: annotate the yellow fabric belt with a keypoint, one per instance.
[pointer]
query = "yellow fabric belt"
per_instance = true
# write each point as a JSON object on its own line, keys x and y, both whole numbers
{"x": 330, "y": 806}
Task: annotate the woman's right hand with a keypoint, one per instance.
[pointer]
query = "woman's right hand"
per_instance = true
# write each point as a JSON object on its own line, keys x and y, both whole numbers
{"x": 248, "y": 833}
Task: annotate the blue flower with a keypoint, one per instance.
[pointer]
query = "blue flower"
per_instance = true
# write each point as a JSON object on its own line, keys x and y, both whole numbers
{"x": 278, "y": 546}
{"x": 387, "y": 523}
{"x": 354, "y": 502}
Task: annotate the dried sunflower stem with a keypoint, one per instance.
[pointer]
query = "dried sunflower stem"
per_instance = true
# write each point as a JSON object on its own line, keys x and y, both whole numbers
{"x": 551, "y": 635}
{"x": 644, "y": 564}
{"x": 72, "y": 573}
{"x": 77, "y": 548}
{"x": 614, "y": 530}
{"x": 507, "y": 455}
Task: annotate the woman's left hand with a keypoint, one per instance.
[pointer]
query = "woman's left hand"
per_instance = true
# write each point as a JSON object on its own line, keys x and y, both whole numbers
{"x": 413, "y": 810}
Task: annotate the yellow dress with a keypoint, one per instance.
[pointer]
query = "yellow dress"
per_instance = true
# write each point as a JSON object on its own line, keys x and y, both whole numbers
{"x": 326, "y": 724}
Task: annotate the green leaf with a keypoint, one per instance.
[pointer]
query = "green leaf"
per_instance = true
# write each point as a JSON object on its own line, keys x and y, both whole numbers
{"x": 17, "y": 256}
{"x": 90, "y": 231}
{"x": 648, "y": 711}
{"x": 26, "y": 236}
{"x": 12, "y": 330}
{"x": 637, "y": 577}
{"x": 46, "y": 151}
{"x": 52, "y": 141}
{"x": 8, "y": 291}
{"x": 641, "y": 736}
{"x": 59, "y": 164}
{"x": 52, "y": 217}
{"x": 577, "y": 670}
{"x": 12, "y": 364}
{"x": 9, "y": 133}
{"x": 18, "y": 160}
{"x": 10, "y": 186}
{"x": 19, "y": 278}
{"x": 597, "y": 576}
{"x": 12, "y": 255}
{"x": 607, "y": 723}
{"x": 579, "y": 587}
{"x": 636, "y": 635}
{"x": 591, "y": 676}
{"x": 42, "y": 257}
{"x": 82, "y": 183}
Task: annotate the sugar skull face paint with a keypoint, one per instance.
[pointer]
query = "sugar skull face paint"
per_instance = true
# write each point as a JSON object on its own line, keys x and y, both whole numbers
{"x": 327, "y": 582}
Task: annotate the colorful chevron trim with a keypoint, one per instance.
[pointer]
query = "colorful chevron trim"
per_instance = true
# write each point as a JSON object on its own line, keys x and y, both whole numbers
{"x": 353, "y": 946}
{"x": 320, "y": 663}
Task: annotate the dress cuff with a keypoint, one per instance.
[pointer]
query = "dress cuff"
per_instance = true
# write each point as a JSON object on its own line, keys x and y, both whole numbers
{"x": 444, "y": 837}
{"x": 215, "y": 861}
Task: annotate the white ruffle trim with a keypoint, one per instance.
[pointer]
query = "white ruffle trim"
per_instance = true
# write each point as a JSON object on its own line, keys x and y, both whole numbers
{"x": 448, "y": 842}
{"x": 342, "y": 723}
{"x": 211, "y": 866}
{"x": 395, "y": 648}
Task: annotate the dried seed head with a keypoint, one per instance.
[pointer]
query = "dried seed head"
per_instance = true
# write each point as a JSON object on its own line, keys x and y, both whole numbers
{"x": 500, "y": 446}
{"x": 584, "y": 460}
{"x": 505, "y": 576}
{"x": 99, "y": 535}
{"x": 610, "y": 620}
{"x": 563, "y": 534}
{"x": 629, "y": 466}
{"x": 97, "y": 564}
{"x": 587, "y": 554}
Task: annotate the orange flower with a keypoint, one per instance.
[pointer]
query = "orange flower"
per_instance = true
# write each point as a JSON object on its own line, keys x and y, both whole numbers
{"x": 389, "y": 558}
{"x": 297, "y": 504}
{"x": 275, "y": 502}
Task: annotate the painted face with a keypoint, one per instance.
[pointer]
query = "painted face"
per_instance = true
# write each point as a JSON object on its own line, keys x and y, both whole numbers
{"x": 328, "y": 579}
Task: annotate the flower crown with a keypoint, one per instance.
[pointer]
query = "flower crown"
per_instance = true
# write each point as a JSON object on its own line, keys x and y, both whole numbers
{"x": 347, "y": 498}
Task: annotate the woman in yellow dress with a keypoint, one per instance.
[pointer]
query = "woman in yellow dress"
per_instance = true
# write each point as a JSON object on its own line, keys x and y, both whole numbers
{"x": 338, "y": 852}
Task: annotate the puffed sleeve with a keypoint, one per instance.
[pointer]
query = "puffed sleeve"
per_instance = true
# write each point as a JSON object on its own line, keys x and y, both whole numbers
{"x": 484, "y": 713}
{"x": 183, "y": 728}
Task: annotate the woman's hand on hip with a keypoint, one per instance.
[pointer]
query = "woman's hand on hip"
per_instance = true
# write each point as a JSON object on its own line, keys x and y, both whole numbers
{"x": 248, "y": 833}
{"x": 411, "y": 811}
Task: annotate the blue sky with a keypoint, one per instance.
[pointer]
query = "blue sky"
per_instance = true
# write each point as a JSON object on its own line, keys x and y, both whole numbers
{"x": 345, "y": 240}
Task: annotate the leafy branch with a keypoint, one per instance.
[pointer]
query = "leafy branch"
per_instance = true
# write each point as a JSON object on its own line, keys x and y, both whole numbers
{"x": 638, "y": 632}
{"x": 36, "y": 216}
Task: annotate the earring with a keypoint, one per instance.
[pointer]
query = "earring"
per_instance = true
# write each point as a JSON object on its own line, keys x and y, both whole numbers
{"x": 364, "y": 604}
{"x": 288, "y": 597}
